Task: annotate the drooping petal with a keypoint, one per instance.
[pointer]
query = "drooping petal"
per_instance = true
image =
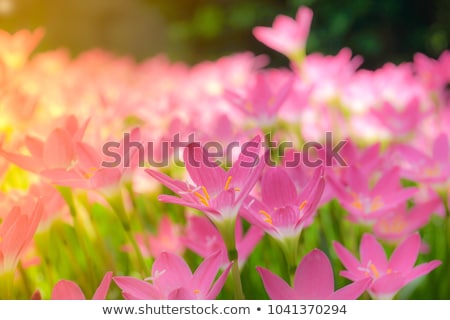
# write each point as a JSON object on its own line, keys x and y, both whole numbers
{"x": 218, "y": 285}
{"x": 136, "y": 289}
{"x": 276, "y": 288}
{"x": 314, "y": 277}
{"x": 352, "y": 291}
{"x": 67, "y": 290}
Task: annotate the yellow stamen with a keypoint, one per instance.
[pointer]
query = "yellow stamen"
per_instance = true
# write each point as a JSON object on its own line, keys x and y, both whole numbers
{"x": 202, "y": 198}
{"x": 374, "y": 270}
{"x": 268, "y": 217}
{"x": 237, "y": 189}
{"x": 304, "y": 203}
{"x": 376, "y": 204}
{"x": 90, "y": 172}
{"x": 196, "y": 291}
{"x": 227, "y": 184}
{"x": 206, "y": 193}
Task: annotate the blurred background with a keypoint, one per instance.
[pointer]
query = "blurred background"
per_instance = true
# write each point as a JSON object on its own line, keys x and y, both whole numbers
{"x": 196, "y": 30}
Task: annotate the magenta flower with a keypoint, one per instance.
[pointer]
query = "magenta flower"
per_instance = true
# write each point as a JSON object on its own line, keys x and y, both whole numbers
{"x": 260, "y": 101}
{"x": 204, "y": 239}
{"x": 365, "y": 204}
{"x": 287, "y": 36}
{"x": 216, "y": 192}
{"x": 69, "y": 290}
{"x": 313, "y": 281}
{"x": 172, "y": 279}
{"x": 283, "y": 211}
{"x": 388, "y": 277}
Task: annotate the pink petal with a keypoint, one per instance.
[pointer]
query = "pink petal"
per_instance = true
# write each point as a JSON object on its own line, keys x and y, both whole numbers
{"x": 174, "y": 185}
{"x": 170, "y": 272}
{"x": 102, "y": 290}
{"x": 352, "y": 291}
{"x": 182, "y": 294}
{"x": 218, "y": 285}
{"x": 371, "y": 251}
{"x": 347, "y": 259}
{"x": 276, "y": 288}
{"x": 388, "y": 284}
{"x": 441, "y": 149}
{"x": 202, "y": 170}
{"x": 205, "y": 274}
{"x": 58, "y": 150}
{"x": 67, "y": 290}
{"x": 277, "y": 188}
{"x": 422, "y": 270}
{"x": 135, "y": 289}
{"x": 314, "y": 277}
{"x": 405, "y": 255}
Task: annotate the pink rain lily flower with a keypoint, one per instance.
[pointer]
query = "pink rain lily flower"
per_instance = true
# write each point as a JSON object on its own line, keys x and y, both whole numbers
{"x": 313, "y": 280}
{"x": 287, "y": 36}
{"x": 167, "y": 239}
{"x": 16, "y": 233}
{"x": 203, "y": 238}
{"x": 172, "y": 279}
{"x": 402, "y": 222}
{"x": 365, "y": 204}
{"x": 283, "y": 211}
{"x": 419, "y": 166}
{"x": 261, "y": 102}
{"x": 69, "y": 290}
{"x": 388, "y": 276}
{"x": 214, "y": 191}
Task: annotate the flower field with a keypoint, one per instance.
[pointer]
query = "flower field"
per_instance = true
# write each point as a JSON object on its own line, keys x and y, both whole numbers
{"x": 228, "y": 179}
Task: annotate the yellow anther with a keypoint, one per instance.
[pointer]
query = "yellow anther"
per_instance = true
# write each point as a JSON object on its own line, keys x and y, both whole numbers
{"x": 376, "y": 204}
{"x": 268, "y": 218}
{"x": 374, "y": 270}
{"x": 304, "y": 203}
{"x": 227, "y": 184}
{"x": 205, "y": 192}
{"x": 202, "y": 198}
{"x": 196, "y": 291}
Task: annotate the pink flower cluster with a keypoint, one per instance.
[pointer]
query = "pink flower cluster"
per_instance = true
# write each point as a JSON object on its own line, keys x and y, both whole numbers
{"x": 57, "y": 114}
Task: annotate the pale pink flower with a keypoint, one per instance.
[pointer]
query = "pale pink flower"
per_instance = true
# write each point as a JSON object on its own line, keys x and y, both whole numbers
{"x": 69, "y": 290}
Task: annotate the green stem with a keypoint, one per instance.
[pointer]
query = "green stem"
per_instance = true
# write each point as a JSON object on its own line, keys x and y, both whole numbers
{"x": 289, "y": 246}
{"x": 227, "y": 230}
{"x": 6, "y": 285}
{"x": 118, "y": 207}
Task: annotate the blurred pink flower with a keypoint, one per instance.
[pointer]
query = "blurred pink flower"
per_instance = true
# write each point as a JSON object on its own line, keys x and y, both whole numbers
{"x": 313, "y": 280}
{"x": 69, "y": 290}
{"x": 260, "y": 102}
{"x": 366, "y": 205}
{"x": 172, "y": 279}
{"x": 16, "y": 233}
{"x": 203, "y": 238}
{"x": 287, "y": 36}
{"x": 388, "y": 277}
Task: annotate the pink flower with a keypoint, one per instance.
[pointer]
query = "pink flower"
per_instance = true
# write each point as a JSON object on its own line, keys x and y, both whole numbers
{"x": 283, "y": 211}
{"x": 172, "y": 279}
{"x": 388, "y": 277}
{"x": 416, "y": 165}
{"x": 216, "y": 192}
{"x": 365, "y": 204}
{"x": 313, "y": 281}
{"x": 69, "y": 290}
{"x": 203, "y": 238}
{"x": 402, "y": 222}
{"x": 16, "y": 48}
{"x": 287, "y": 36}
{"x": 260, "y": 101}
{"x": 16, "y": 233}
{"x": 168, "y": 239}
